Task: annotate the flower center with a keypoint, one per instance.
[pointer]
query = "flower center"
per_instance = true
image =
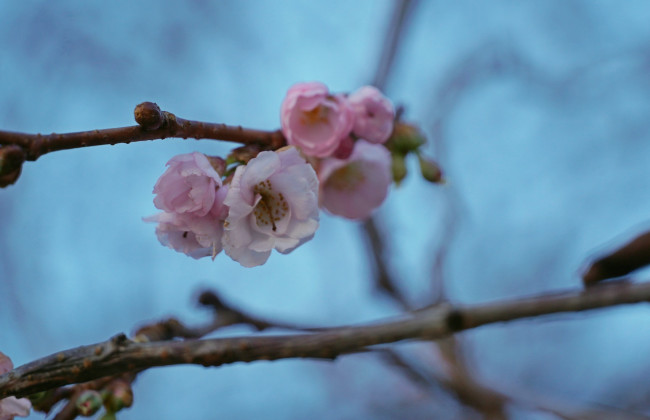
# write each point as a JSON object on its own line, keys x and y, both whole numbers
{"x": 272, "y": 206}
{"x": 315, "y": 116}
{"x": 346, "y": 177}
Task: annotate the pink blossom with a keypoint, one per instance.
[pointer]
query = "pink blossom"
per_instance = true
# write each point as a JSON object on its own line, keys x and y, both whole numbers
{"x": 355, "y": 186}
{"x": 273, "y": 203}
{"x": 189, "y": 185}
{"x": 196, "y": 236}
{"x": 315, "y": 120}
{"x": 12, "y": 406}
{"x": 191, "y": 194}
{"x": 374, "y": 114}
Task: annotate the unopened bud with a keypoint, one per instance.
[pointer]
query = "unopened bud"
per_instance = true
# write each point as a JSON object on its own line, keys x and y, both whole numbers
{"x": 88, "y": 403}
{"x": 398, "y": 167}
{"x": 345, "y": 148}
{"x": 430, "y": 171}
{"x": 149, "y": 116}
{"x": 406, "y": 138}
{"x": 119, "y": 395}
{"x": 109, "y": 415}
{"x": 11, "y": 163}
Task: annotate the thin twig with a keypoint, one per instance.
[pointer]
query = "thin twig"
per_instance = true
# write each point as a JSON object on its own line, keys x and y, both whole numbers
{"x": 384, "y": 281}
{"x": 394, "y": 36}
{"x": 167, "y": 125}
{"x": 123, "y": 355}
{"x": 371, "y": 227}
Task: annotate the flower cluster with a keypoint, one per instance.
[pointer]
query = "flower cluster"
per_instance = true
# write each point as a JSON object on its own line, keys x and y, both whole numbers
{"x": 270, "y": 203}
{"x": 12, "y": 406}
{"x": 343, "y": 136}
{"x": 335, "y": 160}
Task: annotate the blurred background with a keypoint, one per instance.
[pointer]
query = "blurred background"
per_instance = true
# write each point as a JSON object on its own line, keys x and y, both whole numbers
{"x": 539, "y": 113}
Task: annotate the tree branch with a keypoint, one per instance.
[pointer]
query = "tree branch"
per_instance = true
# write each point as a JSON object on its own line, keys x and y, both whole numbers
{"x": 153, "y": 124}
{"x": 120, "y": 354}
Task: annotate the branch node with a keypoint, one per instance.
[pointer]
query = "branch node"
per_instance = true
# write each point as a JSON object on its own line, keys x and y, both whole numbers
{"x": 120, "y": 341}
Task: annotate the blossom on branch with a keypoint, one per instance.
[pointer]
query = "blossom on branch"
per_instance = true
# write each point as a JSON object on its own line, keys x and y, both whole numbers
{"x": 273, "y": 202}
{"x": 191, "y": 194}
{"x": 315, "y": 120}
{"x": 355, "y": 186}
{"x": 374, "y": 114}
{"x": 189, "y": 185}
{"x": 270, "y": 201}
{"x": 12, "y": 406}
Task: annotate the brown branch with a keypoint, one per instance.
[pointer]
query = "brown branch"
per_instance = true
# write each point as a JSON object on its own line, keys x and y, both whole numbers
{"x": 224, "y": 315}
{"x": 394, "y": 36}
{"x": 631, "y": 256}
{"x": 384, "y": 281}
{"x": 154, "y": 124}
{"x": 123, "y": 355}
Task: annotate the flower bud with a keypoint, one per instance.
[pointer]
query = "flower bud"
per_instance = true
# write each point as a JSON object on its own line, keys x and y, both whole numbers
{"x": 345, "y": 148}
{"x": 406, "y": 138}
{"x": 149, "y": 116}
{"x": 398, "y": 167}
{"x": 430, "y": 171}
{"x": 88, "y": 403}
{"x": 119, "y": 395}
{"x": 109, "y": 415}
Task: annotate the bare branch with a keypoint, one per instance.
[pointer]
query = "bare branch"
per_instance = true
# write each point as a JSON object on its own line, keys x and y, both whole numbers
{"x": 123, "y": 355}
{"x": 394, "y": 36}
{"x": 384, "y": 282}
{"x": 153, "y": 126}
{"x": 631, "y": 256}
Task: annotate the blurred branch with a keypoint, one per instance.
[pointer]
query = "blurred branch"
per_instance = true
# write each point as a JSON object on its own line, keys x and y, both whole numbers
{"x": 383, "y": 280}
{"x": 631, "y": 256}
{"x": 371, "y": 227}
{"x": 394, "y": 35}
{"x": 153, "y": 124}
{"x": 491, "y": 402}
{"x": 120, "y": 354}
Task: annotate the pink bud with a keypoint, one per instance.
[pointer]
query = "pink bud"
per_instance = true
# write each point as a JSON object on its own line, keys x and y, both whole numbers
{"x": 314, "y": 120}
{"x": 191, "y": 194}
{"x": 374, "y": 114}
{"x": 188, "y": 186}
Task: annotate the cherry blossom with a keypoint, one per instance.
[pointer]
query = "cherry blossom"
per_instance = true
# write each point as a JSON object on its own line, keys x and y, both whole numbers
{"x": 189, "y": 185}
{"x": 12, "y": 406}
{"x": 273, "y": 202}
{"x": 355, "y": 186}
{"x": 374, "y": 114}
{"x": 196, "y": 236}
{"x": 315, "y": 120}
{"x": 191, "y": 194}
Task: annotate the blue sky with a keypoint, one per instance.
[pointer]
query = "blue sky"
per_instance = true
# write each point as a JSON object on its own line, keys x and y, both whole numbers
{"x": 538, "y": 112}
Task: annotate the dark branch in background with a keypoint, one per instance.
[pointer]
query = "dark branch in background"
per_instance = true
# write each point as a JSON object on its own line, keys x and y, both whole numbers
{"x": 399, "y": 19}
{"x": 371, "y": 227}
{"x": 123, "y": 355}
{"x": 384, "y": 282}
{"x": 631, "y": 256}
